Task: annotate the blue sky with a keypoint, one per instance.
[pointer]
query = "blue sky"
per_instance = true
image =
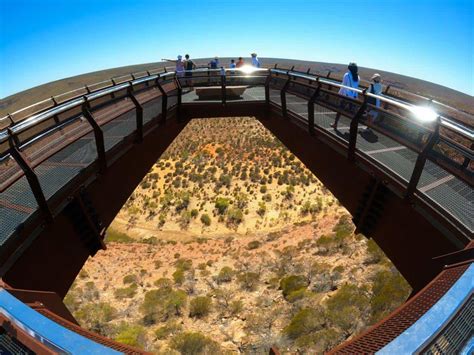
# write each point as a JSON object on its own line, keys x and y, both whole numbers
{"x": 41, "y": 41}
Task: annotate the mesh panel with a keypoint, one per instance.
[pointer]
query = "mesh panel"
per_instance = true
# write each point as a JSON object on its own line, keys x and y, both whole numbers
{"x": 275, "y": 96}
{"x": 456, "y": 197}
{"x": 297, "y": 105}
{"x": 9, "y": 169}
{"x": 119, "y": 128}
{"x": 9, "y": 345}
{"x": 151, "y": 110}
{"x": 58, "y": 170}
{"x": 456, "y": 334}
{"x": 17, "y": 203}
{"x": 277, "y": 83}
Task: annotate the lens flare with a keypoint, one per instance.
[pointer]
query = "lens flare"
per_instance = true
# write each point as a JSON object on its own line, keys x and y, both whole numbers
{"x": 248, "y": 69}
{"x": 424, "y": 114}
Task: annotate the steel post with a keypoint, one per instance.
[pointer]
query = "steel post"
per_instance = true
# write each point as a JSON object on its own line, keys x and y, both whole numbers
{"x": 164, "y": 102}
{"x": 98, "y": 135}
{"x": 31, "y": 177}
{"x": 139, "y": 116}
{"x": 354, "y": 127}
{"x": 311, "y": 108}
{"x": 284, "y": 110}
{"x": 421, "y": 160}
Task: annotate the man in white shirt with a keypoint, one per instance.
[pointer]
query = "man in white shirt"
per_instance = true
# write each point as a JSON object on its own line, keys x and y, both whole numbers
{"x": 350, "y": 79}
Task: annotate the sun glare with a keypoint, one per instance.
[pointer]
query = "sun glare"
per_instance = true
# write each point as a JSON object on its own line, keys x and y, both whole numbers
{"x": 424, "y": 114}
{"x": 248, "y": 69}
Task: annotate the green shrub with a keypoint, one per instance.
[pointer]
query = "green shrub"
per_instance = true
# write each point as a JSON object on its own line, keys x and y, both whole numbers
{"x": 297, "y": 295}
{"x": 117, "y": 237}
{"x": 306, "y": 321}
{"x": 184, "y": 264}
{"x": 234, "y": 216}
{"x": 262, "y": 209}
{"x": 225, "y": 275}
{"x": 126, "y": 292}
{"x": 293, "y": 283}
{"x": 133, "y": 335}
{"x": 222, "y": 204}
{"x": 169, "y": 329}
{"x": 194, "y": 344}
{"x": 164, "y": 283}
{"x": 347, "y": 304}
{"x": 95, "y": 316}
{"x": 376, "y": 254}
{"x": 236, "y": 307}
{"x": 178, "y": 276}
{"x": 130, "y": 279}
{"x": 254, "y": 244}
{"x": 194, "y": 213}
{"x": 389, "y": 290}
{"x": 200, "y": 306}
{"x": 162, "y": 303}
{"x": 249, "y": 280}
{"x": 205, "y": 219}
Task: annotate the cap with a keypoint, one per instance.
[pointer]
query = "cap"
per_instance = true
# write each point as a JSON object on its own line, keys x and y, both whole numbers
{"x": 375, "y": 76}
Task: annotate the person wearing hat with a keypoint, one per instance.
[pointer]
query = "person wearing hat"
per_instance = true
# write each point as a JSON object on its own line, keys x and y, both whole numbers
{"x": 350, "y": 80}
{"x": 375, "y": 88}
{"x": 180, "y": 66}
{"x": 255, "y": 61}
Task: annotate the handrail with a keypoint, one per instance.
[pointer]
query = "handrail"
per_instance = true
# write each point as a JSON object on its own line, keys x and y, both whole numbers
{"x": 445, "y": 122}
{"x": 40, "y": 117}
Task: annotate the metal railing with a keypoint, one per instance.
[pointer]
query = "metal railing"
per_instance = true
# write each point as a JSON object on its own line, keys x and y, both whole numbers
{"x": 25, "y": 145}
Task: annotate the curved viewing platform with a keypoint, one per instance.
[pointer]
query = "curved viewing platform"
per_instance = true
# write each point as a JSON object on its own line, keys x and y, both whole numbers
{"x": 418, "y": 152}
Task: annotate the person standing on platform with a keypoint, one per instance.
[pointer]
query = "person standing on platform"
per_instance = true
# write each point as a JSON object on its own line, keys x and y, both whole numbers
{"x": 255, "y": 61}
{"x": 214, "y": 64}
{"x": 189, "y": 67}
{"x": 240, "y": 63}
{"x": 376, "y": 89}
{"x": 180, "y": 66}
{"x": 350, "y": 79}
{"x": 232, "y": 66}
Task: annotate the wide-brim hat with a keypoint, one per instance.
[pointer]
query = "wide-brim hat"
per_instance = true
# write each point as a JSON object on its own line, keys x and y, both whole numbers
{"x": 180, "y": 57}
{"x": 375, "y": 76}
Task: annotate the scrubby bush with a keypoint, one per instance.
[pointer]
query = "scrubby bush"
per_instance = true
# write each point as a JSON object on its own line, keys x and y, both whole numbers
{"x": 126, "y": 292}
{"x": 178, "y": 276}
{"x": 200, "y": 306}
{"x": 95, "y": 316}
{"x": 133, "y": 335}
{"x": 248, "y": 280}
{"x": 254, "y": 244}
{"x": 225, "y": 274}
{"x": 234, "y": 216}
{"x": 205, "y": 219}
{"x": 376, "y": 254}
{"x": 222, "y": 204}
{"x": 293, "y": 283}
{"x": 306, "y": 321}
{"x": 194, "y": 344}
{"x": 161, "y": 304}
{"x": 117, "y": 237}
{"x": 130, "y": 279}
{"x": 169, "y": 329}
{"x": 389, "y": 290}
